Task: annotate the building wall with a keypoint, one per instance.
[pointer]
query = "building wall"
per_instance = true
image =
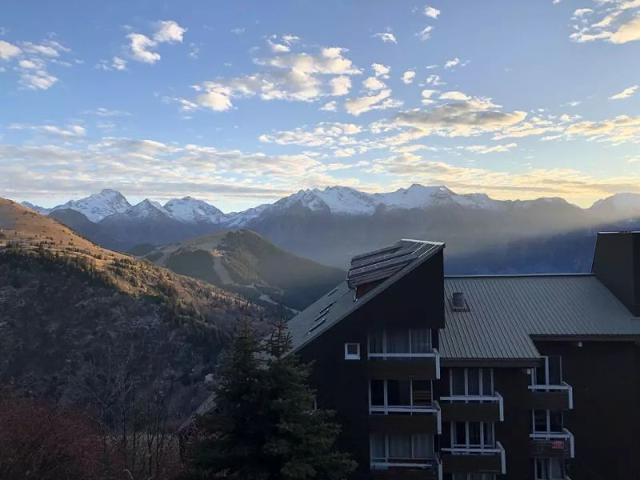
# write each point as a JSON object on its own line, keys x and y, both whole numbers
{"x": 343, "y": 385}
{"x": 606, "y": 417}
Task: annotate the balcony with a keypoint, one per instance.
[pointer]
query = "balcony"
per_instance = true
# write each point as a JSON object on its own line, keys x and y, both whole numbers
{"x": 552, "y": 444}
{"x": 404, "y": 365}
{"x": 405, "y": 419}
{"x": 473, "y": 408}
{"x": 471, "y": 459}
{"x": 551, "y": 397}
{"x": 406, "y": 469}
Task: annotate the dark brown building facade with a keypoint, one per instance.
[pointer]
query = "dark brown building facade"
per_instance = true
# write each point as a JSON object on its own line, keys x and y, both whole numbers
{"x": 527, "y": 377}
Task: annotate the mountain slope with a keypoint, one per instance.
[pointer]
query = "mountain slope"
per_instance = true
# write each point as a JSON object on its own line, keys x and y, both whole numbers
{"x": 74, "y": 315}
{"x": 244, "y": 261}
{"x": 99, "y": 205}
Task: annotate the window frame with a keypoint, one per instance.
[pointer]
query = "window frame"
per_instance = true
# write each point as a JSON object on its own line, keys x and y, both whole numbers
{"x": 481, "y": 372}
{"x": 467, "y": 445}
{"x": 351, "y": 356}
{"x": 390, "y": 459}
{"x": 411, "y": 406}
{"x": 385, "y": 344}
{"x": 547, "y": 372}
{"x": 547, "y": 422}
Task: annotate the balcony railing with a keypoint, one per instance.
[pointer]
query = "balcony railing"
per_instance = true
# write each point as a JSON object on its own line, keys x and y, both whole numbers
{"x": 563, "y": 387}
{"x": 479, "y": 453}
{"x": 404, "y": 410}
{"x": 550, "y": 442}
{"x": 495, "y": 399}
{"x": 410, "y": 469}
{"x": 399, "y": 357}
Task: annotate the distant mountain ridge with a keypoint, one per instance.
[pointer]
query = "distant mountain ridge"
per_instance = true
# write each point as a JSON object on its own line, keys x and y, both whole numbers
{"x": 330, "y": 225}
{"x": 244, "y": 262}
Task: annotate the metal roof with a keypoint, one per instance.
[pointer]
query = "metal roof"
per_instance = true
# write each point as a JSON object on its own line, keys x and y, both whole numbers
{"x": 329, "y": 309}
{"x": 505, "y": 312}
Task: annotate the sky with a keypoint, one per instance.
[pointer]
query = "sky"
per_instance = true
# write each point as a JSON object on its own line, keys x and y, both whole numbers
{"x": 243, "y": 102}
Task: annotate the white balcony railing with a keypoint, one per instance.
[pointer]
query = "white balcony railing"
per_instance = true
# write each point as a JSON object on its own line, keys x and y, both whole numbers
{"x": 565, "y": 435}
{"x": 409, "y": 355}
{"x": 433, "y": 409}
{"x": 469, "y": 450}
{"x": 564, "y": 386}
{"x": 495, "y": 398}
{"x": 385, "y": 464}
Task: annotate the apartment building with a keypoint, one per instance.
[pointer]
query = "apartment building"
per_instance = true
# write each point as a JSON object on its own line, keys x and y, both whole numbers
{"x": 482, "y": 377}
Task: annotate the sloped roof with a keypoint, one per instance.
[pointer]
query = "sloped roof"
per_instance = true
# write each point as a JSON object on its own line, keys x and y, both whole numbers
{"x": 505, "y": 312}
{"x": 379, "y": 265}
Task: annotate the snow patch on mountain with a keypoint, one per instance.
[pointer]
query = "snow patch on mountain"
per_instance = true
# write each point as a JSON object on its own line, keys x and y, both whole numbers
{"x": 192, "y": 210}
{"x": 147, "y": 209}
{"x": 99, "y": 205}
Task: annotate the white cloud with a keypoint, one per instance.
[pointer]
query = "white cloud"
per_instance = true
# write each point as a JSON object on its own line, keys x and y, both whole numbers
{"x": 425, "y": 33}
{"x": 39, "y": 80}
{"x": 116, "y": 63}
{"x": 427, "y": 96}
{"x": 69, "y": 131}
{"x": 282, "y": 44}
{"x": 142, "y": 48}
{"x": 340, "y": 85}
{"x": 626, "y": 93}
{"x": 455, "y": 95}
{"x": 379, "y": 101}
{"x": 452, "y": 63}
{"x": 431, "y": 12}
{"x": 331, "y": 106}
{"x": 434, "y": 80}
{"x": 323, "y": 135}
{"x": 381, "y": 70}
{"x": 8, "y": 50}
{"x": 288, "y": 76}
{"x": 386, "y": 37}
{"x": 373, "y": 83}
{"x": 169, "y": 31}
{"x": 408, "y": 76}
{"x": 614, "y": 21}
{"x": 486, "y": 149}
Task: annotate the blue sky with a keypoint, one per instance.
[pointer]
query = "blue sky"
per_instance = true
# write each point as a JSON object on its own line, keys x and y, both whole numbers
{"x": 242, "y": 102}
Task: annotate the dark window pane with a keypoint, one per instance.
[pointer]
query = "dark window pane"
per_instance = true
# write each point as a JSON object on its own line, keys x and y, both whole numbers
{"x": 474, "y": 433}
{"x": 460, "y": 432}
{"x": 375, "y": 342}
{"x": 398, "y": 392}
{"x": 556, "y": 421}
{"x": 473, "y": 380}
{"x": 555, "y": 370}
{"x": 377, "y": 392}
{"x": 487, "y": 387}
{"x": 421, "y": 340}
{"x": 488, "y": 439}
{"x": 421, "y": 392}
{"x": 398, "y": 341}
{"x": 400, "y": 446}
{"x": 540, "y": 376}
{"x": 378, "y": 446}
{"x": 457, "y": 387}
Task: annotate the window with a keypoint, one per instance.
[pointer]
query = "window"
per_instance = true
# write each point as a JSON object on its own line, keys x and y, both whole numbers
{"x": 352, "y": 351}
{"x": 398, "y": 447}
{"x": 470, "y": 476}
{"x": 549, "y": 469}
{"x": 411, "y": 341}
{"x": 472, "y": 435}
{"x": 471, "y": 381}
{"x": 550, "y": 373}
{"x": 400, "y": 395}
{"x": 546, "y": 421}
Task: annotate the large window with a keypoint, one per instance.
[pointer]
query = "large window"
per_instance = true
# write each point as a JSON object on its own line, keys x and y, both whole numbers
{"x": 400, "y": 341}
{"x": 549, "y": 468}
{"x": 401, "y": 394}
{"x": 550, "y": 373}
{"x": 471, "y": 381}
{"x": 546, "y": 421}
{"x": 398, "y": 447}
{"x": 472, "y": 435}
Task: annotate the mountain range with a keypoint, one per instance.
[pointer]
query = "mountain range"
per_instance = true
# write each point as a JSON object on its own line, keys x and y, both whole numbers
{"x": 330, "y": 225}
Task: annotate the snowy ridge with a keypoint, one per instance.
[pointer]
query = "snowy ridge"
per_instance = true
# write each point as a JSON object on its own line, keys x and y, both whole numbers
{"x": 99, "y": 205}
{"x": 192, "y": 210}
{"x": 331, "y": 200}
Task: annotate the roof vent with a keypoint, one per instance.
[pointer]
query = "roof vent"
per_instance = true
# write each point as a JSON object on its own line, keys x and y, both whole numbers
{"x": 458, "y": 302}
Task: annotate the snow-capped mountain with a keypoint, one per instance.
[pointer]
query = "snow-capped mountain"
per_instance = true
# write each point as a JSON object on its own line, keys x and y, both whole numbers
{"x": 99, "y": 205}
{"x": 419, "y": 196}
{"x": 189, "y": 210}
{"x": 147, "y": 209}
{"x": 36, "y": 208}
